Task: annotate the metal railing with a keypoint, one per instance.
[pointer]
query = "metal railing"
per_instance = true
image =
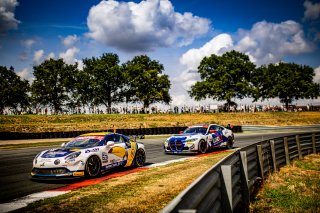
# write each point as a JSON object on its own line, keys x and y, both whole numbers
{"x": 231, "y": 183}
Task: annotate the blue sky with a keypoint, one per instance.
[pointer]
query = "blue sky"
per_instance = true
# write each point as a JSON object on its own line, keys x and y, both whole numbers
{"x": 178, "y": 33}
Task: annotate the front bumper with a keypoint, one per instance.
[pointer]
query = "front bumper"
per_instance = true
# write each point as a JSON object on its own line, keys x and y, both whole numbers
{"x": 55, "y": 173}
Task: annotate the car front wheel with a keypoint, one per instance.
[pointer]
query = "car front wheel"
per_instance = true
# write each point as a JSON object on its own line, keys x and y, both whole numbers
{"x": 202, "y": 147}
{"x": 140, "y": 157}
{"x": 229, "y": 143}
{"x": 93, "y": 167}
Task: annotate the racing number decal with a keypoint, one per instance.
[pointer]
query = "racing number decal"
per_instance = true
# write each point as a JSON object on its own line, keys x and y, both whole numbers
{"x": 131, "y": 153}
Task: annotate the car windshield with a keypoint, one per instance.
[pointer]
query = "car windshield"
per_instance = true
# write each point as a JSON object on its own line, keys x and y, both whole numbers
{"x": 201, "y": 130}
{"x": 82, "y": 142}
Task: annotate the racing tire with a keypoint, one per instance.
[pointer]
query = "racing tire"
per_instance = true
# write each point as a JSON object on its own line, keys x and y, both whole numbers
{"x": 93, "y": 167}
{"x": 202, "y": 147}
{"x": 229, "y": 143}
{"x": 140, "y": 158}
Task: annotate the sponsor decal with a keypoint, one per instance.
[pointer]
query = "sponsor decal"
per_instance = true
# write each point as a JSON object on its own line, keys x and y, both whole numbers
{"x": 78, "y": 174}
{"x": 91, "y": 150}
{"x": 56, "y": 162}
{"x": 104, "y": 156}
{"x": 131, "y": 153}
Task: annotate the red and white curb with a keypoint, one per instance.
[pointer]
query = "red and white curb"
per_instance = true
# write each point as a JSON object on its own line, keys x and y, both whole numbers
{"x": 24, "y": 201}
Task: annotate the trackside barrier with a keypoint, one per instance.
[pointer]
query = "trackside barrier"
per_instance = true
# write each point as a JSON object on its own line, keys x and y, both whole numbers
{"x": 231, "y": 183}
{"x": 141, "y": 131}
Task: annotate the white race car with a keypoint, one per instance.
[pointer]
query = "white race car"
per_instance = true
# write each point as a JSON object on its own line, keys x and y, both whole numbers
{"x": 88, "y": 155}
{"x": 199, "y": 138}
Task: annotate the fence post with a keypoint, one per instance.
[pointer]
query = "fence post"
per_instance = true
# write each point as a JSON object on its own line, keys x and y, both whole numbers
{"x": 299, "y": 146}
{"x": 260, "y": 158}
{"x": 286, "y": 150}
{"x": 273, "y": 155}
{"x": 244, "y": 180}
{"x": 227, "y": 181}
{"x": 314, "y": 143}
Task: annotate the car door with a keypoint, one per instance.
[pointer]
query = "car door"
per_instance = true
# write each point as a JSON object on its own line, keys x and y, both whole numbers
{"x": 216, "y": 133}
{"x": 118, "y": 153}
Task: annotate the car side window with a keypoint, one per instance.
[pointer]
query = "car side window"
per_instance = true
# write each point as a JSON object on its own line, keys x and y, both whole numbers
{"x": 117, "y": 138}
{"x": 108, "y": 138}
{"x": 213, "y": 127}
{"x": 127, "y": 141}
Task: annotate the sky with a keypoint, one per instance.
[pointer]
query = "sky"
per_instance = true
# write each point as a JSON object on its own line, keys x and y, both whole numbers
{"x": 177, "y": 33}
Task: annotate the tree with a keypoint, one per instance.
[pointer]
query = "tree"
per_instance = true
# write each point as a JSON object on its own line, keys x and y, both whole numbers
{"x": 54, "y": 83}
{"x": 13, "y": 90}
{"x": 106, "y": 80}
{"x": 224, "y": 77}
{"x": 145, "y": 81}
{"x": 287, "y": 81}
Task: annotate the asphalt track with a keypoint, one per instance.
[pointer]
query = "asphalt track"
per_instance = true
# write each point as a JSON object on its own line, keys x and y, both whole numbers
{"x": 15, "y": 165}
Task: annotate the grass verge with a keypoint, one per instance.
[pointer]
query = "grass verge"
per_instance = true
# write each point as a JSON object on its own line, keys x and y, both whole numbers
{"x": 29, "y": 145}
{"x": 294, "y": 188}
{"x": 57, "y": 123}
{"x": 144, "y": 191}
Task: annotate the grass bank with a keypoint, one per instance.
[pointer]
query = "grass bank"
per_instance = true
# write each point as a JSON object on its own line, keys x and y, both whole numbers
{"x": 294, "y": 188}
{"x": 144, "y": 191}
{"x": 57, "y": 123}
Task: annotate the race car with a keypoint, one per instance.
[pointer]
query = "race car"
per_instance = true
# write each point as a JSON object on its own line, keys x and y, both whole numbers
{"x": 200, "y": 138}
{"x": 88, "y": 155}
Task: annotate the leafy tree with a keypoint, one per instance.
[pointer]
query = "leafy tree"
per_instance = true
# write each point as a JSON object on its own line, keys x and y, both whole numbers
{"x": 13, "y": 90}
{"x": 224, "y": 77}
{"x": 287, "y": 81}
{"x": 104, "y": 80}
{"x": 145, "y": 81}
{"x": 54, "y": 83}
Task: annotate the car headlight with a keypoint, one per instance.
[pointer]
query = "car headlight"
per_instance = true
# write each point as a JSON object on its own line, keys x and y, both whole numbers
{"x": 191, "y": 140}
{"x": 36, "y": 157}
{"x": 72, "y": 156}
{"x": 166, "y": 142}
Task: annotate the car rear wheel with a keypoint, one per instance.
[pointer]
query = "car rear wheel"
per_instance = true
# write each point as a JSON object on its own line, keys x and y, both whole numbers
{"x": 93, "y": 167}
{"x": 229, "y": 143}
{"x": 202, "y": 147}
{"x": 140, "y": 157}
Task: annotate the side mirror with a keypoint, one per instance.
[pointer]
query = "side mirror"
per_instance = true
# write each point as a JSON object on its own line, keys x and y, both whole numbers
{"x": 110, "y": 143}
{"x": 62, "y": 145}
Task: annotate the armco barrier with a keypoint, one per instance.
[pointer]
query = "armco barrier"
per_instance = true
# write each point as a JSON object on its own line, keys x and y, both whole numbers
{"x": 230, "y": 184}
{"x": 141, "y": 131}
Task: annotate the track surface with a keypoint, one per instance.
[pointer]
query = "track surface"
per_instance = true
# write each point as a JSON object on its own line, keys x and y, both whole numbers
{"x": 15, "y": 165}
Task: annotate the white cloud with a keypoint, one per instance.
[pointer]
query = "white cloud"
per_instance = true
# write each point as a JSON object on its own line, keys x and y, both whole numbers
{"x": 312, "y": 11}
{"x": 28, "y": 43}
{"x": 51, "y": 55}
{"x": 317, "y": 75}
{"x": 218, "y": 45}
{"x": 143, "y": 26}
{"x": 7, "y": 18}
{"x": 70, "y": 40}
{"x": 192, "y": 58}
{"x": 271, "y": 42}
{"x": 37, "y": 57}
{"x": 25, "y": 74}
{"x": 69, "y": 55}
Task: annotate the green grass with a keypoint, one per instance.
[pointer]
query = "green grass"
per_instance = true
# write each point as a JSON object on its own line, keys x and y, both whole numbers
{"x": 294, "y": 188}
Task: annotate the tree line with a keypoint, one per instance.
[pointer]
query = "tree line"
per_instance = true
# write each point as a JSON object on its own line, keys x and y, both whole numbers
{"x": 104, "y": 81}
